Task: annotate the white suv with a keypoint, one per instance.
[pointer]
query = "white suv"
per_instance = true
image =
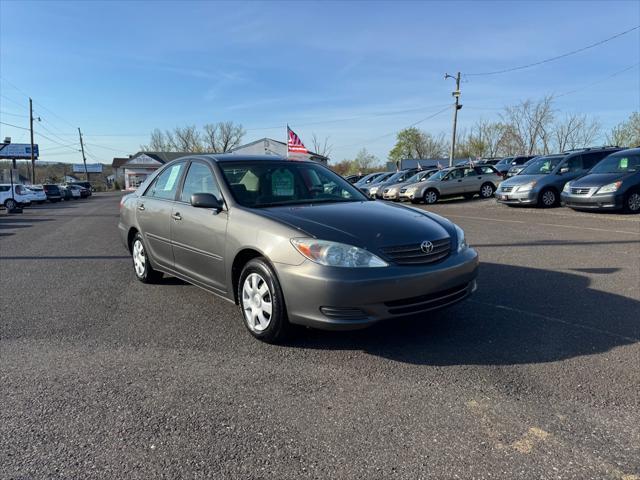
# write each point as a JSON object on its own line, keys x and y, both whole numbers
{"x": 20, "y": 195}
{"x": 36, "y": 193}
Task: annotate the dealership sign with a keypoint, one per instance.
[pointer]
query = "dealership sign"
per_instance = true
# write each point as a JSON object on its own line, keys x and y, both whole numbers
{"x": 91, "y": 168}
{"x": 18, "y": 150}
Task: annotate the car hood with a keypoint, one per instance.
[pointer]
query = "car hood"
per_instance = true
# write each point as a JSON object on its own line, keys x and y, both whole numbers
{"x": 367, "y": 224}
{"x": 521, "y": 179}
{"x": 599, "y": 179}
{"x": 394, "y": 185}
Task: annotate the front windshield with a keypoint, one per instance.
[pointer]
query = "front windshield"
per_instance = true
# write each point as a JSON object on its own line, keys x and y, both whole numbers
{"x": 367, "y": 178}
{"x": 439, "y": 176}
{"x": 263, "y": 183}
{"x": 541, "y": 166}
{"x": 618, "y": 164}
{"x": 382, "y": 178}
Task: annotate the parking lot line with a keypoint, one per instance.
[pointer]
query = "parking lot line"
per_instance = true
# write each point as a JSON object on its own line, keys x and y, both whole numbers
{"x": 557, "y": 320}
{"x": 485, "y": 219}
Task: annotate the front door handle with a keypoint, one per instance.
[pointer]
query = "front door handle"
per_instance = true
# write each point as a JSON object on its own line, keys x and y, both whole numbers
{"x": 460, "y": 180}
{"x": 479, "y": 178}
{"x": 176, "y": 216}
{"x": 141, "y": 206}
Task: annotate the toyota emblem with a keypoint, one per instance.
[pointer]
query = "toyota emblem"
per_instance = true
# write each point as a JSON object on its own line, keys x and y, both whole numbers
{"x": 426, "y": 247}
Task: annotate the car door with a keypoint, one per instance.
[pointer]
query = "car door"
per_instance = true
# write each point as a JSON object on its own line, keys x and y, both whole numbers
{"x": 453, "y": 184}
{"x": 153, "y": 212}
{"x": 198, "y": 234}
{"x": 471, "y": 180}
{"x": 572, "y": 168}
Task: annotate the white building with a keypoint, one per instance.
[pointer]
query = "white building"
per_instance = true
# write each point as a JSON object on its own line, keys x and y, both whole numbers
{"x": 269, "y": 146}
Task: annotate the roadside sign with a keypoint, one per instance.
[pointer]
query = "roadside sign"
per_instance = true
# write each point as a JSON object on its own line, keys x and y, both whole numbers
{"x": 18, "y": 150}
{"x": 91, "y": 168}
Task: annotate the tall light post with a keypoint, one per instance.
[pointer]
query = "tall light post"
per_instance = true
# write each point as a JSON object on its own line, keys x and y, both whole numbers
{"x": 456, "y": 107}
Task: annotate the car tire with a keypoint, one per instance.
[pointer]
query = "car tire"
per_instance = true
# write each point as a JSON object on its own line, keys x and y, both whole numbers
{"x": 632, "y": 202}
{"x": 10, "y": 204}
{"x": 548, "y": 198}
{"x": 487, "y": 190}
{"x": 262, "y": 303}
{"x": 141, "y": 264}
{"x": 431, "y": 196}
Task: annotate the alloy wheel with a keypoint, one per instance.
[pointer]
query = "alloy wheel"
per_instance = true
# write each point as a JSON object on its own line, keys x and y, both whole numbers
{"x": 257, "y": 303}
{"x": 10, "y": 204}
{"x": 431, "y": 197}
{"x": 548, "y": 198}
{"x": 139, "y": 260}
{"x": 486, "y": 191}
{"x": 634, "y": 202}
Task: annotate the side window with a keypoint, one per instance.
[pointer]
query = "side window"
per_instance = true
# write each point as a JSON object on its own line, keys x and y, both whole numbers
{"x": 199, "y": 179}
{"x": 455, "y": 174}
{"x": 470, "y": 172}
{"x": 590, "y": 159}
{"x": 4, "y": 188}
{"x": 574, "y": 164}
{"x": 166, "y": 184}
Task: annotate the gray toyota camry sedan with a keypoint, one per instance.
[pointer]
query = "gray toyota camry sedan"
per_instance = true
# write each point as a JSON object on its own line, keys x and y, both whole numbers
{"x": 291, "y": 242}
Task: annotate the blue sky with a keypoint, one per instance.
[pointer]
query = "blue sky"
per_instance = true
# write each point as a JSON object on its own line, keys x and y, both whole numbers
{"x": 352, "y": 71}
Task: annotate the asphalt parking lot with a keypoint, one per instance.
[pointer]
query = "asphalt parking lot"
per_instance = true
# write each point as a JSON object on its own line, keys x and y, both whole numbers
{"x": 536, "y": 376}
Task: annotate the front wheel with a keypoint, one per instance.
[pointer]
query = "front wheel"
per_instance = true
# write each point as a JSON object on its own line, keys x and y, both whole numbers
{"x": 548, "y": 198}
{"x": 632, "y": 202}
{"x": 486, "y": 191}
{"x": 430, "y": 197}
{"x": 10, "y": 204}
{"x": 262, "y": 302}
{"x": 141, "y": 265}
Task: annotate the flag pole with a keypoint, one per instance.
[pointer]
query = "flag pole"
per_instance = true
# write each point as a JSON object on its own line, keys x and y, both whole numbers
{"x": 287, "y": 141}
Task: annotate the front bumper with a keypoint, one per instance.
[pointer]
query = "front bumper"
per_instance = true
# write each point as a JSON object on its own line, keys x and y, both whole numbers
{"x": 344, "y": 299}
{"x": 391, "y": 196}
{"x": 607, "y": 201}
{"x": 517, "y": 198}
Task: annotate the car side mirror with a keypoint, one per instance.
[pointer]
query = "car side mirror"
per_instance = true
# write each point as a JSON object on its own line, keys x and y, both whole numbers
{"x": 206, "y": 200}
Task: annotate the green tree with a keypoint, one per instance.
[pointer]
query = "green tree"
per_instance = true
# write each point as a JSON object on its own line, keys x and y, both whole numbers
{"x": 627, "y": 133}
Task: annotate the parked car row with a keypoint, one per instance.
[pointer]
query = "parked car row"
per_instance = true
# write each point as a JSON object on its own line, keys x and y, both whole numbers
{"x": 25, "y": 196}
{"x": 585, "y": 179}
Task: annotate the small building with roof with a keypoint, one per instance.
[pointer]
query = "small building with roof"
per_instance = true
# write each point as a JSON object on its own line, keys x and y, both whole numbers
{"x": 269, "y": 146}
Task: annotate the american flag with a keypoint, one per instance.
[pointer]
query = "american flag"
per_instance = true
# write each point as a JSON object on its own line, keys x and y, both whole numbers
{"x": 294, "y": 144}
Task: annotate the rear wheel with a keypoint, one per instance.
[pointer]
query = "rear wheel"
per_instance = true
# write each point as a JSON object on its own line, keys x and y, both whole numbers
{"x": 548, "y": 198}
{"x": 10, "y": 204}
{"x": 262, "y": 302}
{"x": 486, "y": 190}
{"x": 431, "y": 197}
{"x": 141, "y": 265}
{"x": 632, "y": 201}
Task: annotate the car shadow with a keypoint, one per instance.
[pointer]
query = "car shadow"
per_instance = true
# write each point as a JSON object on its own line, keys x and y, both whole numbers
{"x": 518, "y": 315}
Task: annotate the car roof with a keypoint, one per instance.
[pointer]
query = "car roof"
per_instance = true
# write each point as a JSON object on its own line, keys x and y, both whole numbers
{"x": 234, "y": 157}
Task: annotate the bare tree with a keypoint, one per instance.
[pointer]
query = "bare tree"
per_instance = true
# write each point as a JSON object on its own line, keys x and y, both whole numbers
{"x": 575, "y": 131}
{"x": 365, "y": 160}
{"x": 187, "y": 139}
{"x": 627, "y": 133}
{"x": 321, "y": 147}
{"x": 529, "y": 125}
{"x": 222, "y": 136}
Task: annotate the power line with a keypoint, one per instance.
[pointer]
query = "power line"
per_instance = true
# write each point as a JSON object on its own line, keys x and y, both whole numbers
{"x": 394, "y": 132}
{"x": 14, "y": 126}
{"x": 106, "y": 148}
{"x": 14, "y": 114}
{"x": 558, "y": 57}
{"x": 615, "y": 74}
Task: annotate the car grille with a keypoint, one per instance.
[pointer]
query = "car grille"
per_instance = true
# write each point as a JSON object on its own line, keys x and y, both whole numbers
{"x": 580, "y": 191}
{"x": 413, "y": 255}
{"x": 506, "y": 189}
{"x": 428, "y": 302}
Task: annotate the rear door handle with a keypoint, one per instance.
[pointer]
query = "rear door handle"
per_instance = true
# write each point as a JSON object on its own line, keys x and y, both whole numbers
{"x": 176, "y": 216}
{"x": 141, "y": 206}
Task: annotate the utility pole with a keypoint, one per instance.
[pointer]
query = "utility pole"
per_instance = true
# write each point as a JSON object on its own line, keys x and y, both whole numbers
{"x": 84, "y": 159}
{"x": 457, "y": 107}
{"x": 33, "y": 158}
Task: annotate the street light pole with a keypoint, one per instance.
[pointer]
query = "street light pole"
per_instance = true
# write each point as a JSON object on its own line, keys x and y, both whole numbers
{"x": 456, "y": 107}
{"x": 33, "y": 158}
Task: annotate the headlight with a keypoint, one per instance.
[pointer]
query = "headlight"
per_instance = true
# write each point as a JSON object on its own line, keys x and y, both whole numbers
{"x": 612, "y": 187}
{"x": 333, "y": 254}
{"x": 462, "y": 243}
{"x": 567, "y": 187}
{"x": 526, "y": 187}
